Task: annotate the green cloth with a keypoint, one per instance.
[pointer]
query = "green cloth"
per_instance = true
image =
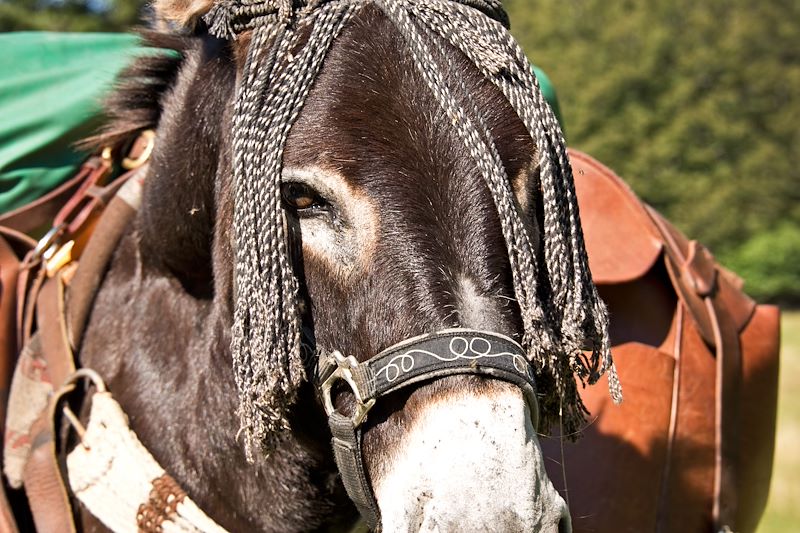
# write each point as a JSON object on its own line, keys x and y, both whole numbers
{"x": 51, "y": 88}
{"x": 549, "y": 93}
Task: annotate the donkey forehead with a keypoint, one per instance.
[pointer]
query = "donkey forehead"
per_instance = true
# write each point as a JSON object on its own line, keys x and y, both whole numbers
{"x": 371, "y": 118}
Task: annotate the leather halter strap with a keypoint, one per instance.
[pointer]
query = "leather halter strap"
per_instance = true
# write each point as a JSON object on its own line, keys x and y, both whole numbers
{"x": 424, "y": 358}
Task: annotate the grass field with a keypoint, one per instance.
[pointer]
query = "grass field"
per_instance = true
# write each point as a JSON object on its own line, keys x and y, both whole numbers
{"x": 783, "y": 509}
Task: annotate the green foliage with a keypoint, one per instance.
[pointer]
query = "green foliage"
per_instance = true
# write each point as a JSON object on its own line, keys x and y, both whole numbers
{"x": 696, "y": 104}
{"x": 71, "y": 15}
{"x": 783, "y": 514}
{"x": 770, "y": 262}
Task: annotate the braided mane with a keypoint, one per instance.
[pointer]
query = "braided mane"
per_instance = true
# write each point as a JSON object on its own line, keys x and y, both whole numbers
{"x": 561, "y": 311}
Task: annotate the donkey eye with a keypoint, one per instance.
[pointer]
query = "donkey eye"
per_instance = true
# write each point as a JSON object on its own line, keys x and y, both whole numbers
{"x": 301, "y": 197}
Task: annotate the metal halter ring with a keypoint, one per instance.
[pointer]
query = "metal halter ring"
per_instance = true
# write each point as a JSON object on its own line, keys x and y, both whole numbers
{"x": 344, "y": 372}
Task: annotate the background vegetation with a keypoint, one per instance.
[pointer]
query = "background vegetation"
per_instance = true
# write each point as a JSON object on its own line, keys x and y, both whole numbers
{"x": 72, "y": 15}
{"x": 783, "y": 508}
{"x": 695, "y": 103}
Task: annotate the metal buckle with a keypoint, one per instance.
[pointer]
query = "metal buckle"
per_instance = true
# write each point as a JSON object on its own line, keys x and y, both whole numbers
{"x": 48, "y": 244}
{"x": 52, "y": 252}
{"x": 344, "y": 372}
{"x": 61, "y": 257}
{"x": 131, "y": 163}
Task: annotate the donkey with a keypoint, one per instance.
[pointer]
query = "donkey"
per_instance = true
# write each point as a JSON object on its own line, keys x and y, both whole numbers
{"x": 392, "y": 233}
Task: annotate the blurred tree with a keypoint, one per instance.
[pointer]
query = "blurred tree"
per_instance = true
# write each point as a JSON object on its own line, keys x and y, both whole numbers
{"x": 696, "y": 104}
{"x": 72, "y": 15}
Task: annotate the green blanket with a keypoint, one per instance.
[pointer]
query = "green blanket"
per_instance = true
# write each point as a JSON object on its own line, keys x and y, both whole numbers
{"x": 51, "y": 88}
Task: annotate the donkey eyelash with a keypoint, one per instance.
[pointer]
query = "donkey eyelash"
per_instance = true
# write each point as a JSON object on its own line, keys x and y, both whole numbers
{"x": 303, "y": 198}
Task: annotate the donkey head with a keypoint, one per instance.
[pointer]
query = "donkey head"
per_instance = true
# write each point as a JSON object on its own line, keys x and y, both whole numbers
{"x": 400, "y": 237}
{"x": 363, "y": 211}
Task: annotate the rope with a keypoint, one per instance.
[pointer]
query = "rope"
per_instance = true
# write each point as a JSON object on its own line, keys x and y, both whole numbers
{"x": 561, "y": 311}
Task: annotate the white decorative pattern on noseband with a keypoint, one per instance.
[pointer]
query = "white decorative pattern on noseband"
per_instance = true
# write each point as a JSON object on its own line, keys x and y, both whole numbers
{"x": 405, "y": 362}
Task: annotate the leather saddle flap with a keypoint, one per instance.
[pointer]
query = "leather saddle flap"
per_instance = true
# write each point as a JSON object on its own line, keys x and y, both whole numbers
{"x": 623, "y": 242}
{"x": 620, "y": 239}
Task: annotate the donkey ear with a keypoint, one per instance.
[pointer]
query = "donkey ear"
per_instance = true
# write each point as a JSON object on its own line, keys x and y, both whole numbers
{"x": 182, "y": 12}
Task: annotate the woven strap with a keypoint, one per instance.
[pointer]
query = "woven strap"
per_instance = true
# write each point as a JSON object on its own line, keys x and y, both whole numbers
{"x": 347, "y": 452}
{"x": 121, "y": 483}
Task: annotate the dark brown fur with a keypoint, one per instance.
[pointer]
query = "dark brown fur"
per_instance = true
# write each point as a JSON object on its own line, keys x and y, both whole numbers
{"x": 159, "y": 332}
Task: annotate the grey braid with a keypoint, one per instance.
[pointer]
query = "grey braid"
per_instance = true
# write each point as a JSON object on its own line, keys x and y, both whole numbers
{"x": 561, "y": 311}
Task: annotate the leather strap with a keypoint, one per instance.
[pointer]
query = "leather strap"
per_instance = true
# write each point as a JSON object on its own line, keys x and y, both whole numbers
{"x": 87, "y": 199}
{"x": 72, "y": 220}
{"x": 9, "y": 270}
{"x": 663, "y": 512}
{"x": 44, "y": 485}
{"x": 347, "y": 452}
{"x": 728, "y": 385}
{"x": 697, "y": 274}
{"x": 51, "y": 319}
{"x": 7, "y": 520}
{"x": 41, "y": 212}
{"x": 60, "y": 331}
{"x": 94, "y": 261}
{"x": 443, "y": 354}
{"x": 31, "y": 277}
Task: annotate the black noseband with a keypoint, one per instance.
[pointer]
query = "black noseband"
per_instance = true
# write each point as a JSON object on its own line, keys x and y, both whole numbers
{"x": 427, "y": 357}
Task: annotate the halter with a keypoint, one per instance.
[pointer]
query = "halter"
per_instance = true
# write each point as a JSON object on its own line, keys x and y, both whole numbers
{"x": 427, "y": 357}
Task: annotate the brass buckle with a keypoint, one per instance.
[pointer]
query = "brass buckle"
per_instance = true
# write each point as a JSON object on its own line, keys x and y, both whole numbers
{"x": 131, "y": 163}
{"x": 54, "y": 254}
{"x": 61, "y": 257}
{"x": 344, "y": 372}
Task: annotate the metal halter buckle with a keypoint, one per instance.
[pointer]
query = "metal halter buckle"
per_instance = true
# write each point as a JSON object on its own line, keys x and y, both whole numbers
{"x": 344, "y": 372}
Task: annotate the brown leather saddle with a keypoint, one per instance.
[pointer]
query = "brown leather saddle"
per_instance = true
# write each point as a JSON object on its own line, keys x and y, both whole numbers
{"x": 690, "y": 448}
